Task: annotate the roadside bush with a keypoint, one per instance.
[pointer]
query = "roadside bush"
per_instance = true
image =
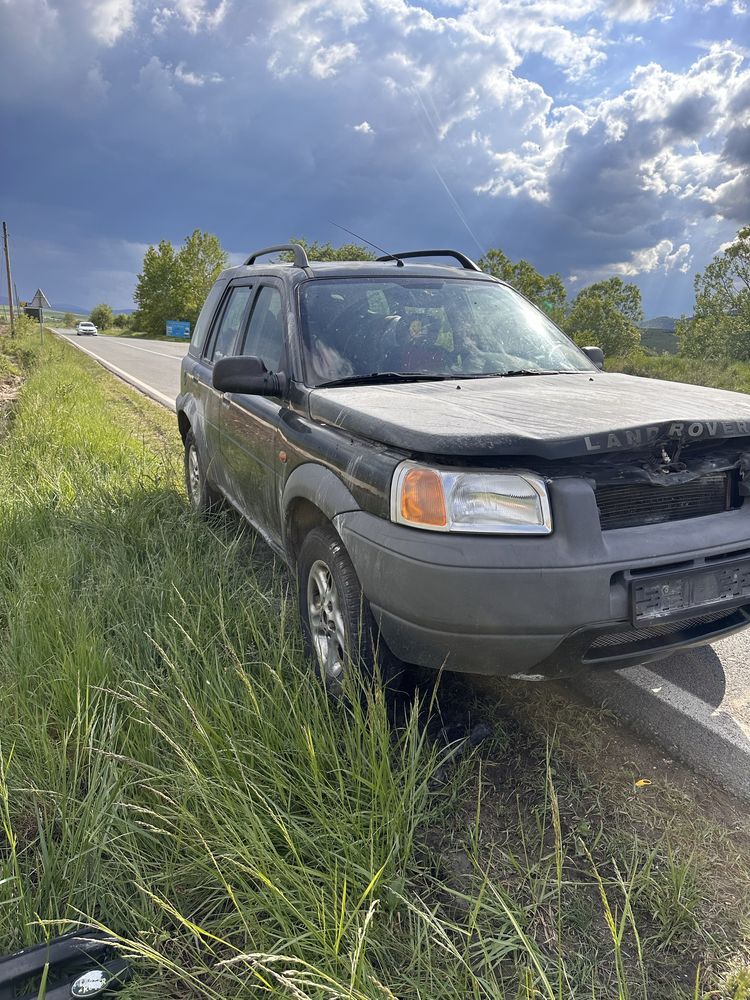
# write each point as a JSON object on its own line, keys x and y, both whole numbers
{"x": 121, "y": 321}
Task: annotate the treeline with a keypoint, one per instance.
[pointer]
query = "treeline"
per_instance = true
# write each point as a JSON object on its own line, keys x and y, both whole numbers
{"x": 719, "y": 329}
{"x": 174, "y": 281}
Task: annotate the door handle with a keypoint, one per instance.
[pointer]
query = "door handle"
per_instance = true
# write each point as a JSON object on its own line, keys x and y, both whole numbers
{"x": 224, "y": 399}
{"x": 193, "y": 378}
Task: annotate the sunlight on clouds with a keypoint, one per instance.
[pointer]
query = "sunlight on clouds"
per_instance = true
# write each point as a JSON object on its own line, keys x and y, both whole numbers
{"x": 663, "y": 257}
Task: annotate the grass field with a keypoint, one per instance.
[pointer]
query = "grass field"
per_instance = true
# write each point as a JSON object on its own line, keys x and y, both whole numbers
{"x": 170, "y": 768}
{"x": 735, "y": 376}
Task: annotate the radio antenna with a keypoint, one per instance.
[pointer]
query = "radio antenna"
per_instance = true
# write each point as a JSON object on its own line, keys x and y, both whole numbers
{"x": 399, "y": 262}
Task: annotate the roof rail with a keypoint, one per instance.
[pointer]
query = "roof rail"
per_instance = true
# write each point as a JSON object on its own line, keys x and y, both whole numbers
{"x": 463, "y": 260}
{"x": 300, "y": 257}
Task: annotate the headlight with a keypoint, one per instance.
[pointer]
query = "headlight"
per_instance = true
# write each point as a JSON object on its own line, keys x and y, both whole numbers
{"x": 498, "y": 503}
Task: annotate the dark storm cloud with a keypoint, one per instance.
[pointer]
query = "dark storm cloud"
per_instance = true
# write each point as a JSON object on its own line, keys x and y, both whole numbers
{"x": 265, "y": 120}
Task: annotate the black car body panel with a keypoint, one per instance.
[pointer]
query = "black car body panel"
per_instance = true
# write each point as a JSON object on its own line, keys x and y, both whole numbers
{"x": 545, "y": 416}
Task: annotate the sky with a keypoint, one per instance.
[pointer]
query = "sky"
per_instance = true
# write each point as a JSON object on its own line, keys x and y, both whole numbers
{"x": 591, "y": 137}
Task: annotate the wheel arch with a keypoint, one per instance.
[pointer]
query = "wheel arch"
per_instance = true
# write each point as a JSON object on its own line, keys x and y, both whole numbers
{"x": 183, "y": 424}
{"x": 312, "y": 497}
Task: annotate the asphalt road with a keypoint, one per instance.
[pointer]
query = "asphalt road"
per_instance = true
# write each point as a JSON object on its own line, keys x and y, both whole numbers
{"x": 151, "y": 366}
{"x": 695, "y": 704}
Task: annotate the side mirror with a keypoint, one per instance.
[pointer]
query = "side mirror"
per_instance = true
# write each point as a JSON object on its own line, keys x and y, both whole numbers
{"x": 596, "y": 354}
{"x": 249, "y": 376}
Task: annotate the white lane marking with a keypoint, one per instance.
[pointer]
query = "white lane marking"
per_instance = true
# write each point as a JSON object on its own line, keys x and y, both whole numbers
{"x": 127, "y": 377}
{"x": 133, "y": 347}
{"x": 705, "y": 715}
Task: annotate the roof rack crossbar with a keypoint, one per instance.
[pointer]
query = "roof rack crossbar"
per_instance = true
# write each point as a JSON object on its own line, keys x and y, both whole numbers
{"x": 300, "y": 257}
{"x": 464, "y": 261}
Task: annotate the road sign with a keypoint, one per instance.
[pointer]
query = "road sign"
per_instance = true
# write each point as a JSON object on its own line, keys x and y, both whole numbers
{"x": 179, "y": 329}
{"x": 40, "y": 300}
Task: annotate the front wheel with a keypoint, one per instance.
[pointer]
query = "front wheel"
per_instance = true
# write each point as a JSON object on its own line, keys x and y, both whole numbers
{"x": 203, "y": 497}
{"x": 338, "y": 627}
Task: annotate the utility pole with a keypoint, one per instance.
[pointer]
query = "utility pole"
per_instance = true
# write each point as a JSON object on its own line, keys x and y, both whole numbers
{"x": 10, "y": 282}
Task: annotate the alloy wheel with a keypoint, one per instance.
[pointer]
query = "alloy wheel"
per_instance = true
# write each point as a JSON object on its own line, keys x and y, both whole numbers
{"x": 326, "y": 621}
{"x": 194, "y": 477}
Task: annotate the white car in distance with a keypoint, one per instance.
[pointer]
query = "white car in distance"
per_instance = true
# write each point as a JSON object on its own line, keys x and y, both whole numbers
{"x": 86, "y": 329}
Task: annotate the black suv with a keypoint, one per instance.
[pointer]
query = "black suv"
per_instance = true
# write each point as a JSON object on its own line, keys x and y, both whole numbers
{"x": 453, "y": 481}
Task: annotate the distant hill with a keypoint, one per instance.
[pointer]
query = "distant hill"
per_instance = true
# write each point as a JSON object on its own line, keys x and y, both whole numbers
{"x": 659, "y": 341}
{"x": 659, "y": 323}
{"x": 658, "y": 335}
{"x": 62, "y": 307}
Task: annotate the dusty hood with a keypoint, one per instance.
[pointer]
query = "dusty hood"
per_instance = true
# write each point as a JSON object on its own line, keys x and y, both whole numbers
{"x": 547, "y": 416}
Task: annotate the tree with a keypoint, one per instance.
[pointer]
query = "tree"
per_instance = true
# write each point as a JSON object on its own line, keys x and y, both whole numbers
{"x": 547, "y": 292}
{"x": 605, "y": 314}
{"x": 173, "y": 284}
{"x": 200, "y": 261}
{"x": 121, "y": 321}
{"x": 101, "y": 316}
{"x": 69, "y": 320}
{"x": 720, "y": 327}
{"x": 327, "y": 251}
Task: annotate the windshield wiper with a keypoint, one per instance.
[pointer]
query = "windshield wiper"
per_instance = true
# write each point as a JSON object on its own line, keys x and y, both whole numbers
{"x": 513, "y": 373}
{"x": 376, "y": 378}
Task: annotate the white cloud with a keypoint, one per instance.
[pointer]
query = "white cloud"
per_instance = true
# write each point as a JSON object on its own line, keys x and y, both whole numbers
{"x": 201, "y": 14}
{"x": 327, "y": 60}
{"x": 192, "y": 79}
{"x": 662, "y": 257}
{"x": 365, "y": 128}
{"x": 109, "y": 19}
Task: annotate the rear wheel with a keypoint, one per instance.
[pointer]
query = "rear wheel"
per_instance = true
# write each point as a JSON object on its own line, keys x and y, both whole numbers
{"x": 204, "y": 498}
{"x": 338, "y": 627}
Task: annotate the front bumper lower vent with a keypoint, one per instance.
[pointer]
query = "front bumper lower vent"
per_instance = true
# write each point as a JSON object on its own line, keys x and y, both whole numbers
{"x": 651, "y": 637}
{"x": 627, "y": 505}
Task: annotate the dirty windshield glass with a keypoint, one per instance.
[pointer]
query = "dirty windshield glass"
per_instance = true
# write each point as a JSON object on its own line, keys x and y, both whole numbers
{"x": 354, "y": 327}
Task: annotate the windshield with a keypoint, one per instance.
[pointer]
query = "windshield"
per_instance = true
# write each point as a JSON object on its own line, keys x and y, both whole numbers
{"x": 354, "y": 327}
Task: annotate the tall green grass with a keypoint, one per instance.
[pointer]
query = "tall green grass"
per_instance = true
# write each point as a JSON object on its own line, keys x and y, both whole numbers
{"x": 170, "y": 768}
{"x": 674, "y": 368}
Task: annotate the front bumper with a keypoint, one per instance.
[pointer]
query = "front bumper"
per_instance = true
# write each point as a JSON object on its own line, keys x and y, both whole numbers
{"x": 551, "y": 605}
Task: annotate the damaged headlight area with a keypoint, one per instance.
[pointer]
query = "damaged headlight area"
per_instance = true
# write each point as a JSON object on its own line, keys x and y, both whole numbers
{"x": 492, "y": 503}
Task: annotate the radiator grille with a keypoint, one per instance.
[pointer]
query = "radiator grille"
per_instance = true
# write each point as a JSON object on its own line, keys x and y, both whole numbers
{"x": 626, "y": 505}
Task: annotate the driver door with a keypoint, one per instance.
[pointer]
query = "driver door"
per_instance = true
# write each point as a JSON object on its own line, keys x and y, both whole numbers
{"x": 249, "y": 427}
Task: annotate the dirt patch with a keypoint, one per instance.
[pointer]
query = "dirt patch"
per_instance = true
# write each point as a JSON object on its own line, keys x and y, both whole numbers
{"x": 559, "y": 782}
{"x": 9, "y": 386}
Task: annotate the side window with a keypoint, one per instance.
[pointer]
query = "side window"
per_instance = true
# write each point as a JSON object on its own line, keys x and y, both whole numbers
{"x": 203, "y": 323}
{"x": 265, "y": 334}
{"x": 230, "y": 323}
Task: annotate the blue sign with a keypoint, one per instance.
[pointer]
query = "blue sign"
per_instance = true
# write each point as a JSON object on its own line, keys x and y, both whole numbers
{"x": 177, "y": 328}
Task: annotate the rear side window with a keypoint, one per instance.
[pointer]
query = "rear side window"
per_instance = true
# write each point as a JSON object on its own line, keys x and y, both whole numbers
{"x": 203, "y": 323}
{"x": 231, "y": 322}
{"x": 265, "y": 335}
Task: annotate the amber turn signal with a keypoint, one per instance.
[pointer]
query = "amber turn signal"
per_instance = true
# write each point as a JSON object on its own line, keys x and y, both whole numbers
{"x": 422, "y": 498}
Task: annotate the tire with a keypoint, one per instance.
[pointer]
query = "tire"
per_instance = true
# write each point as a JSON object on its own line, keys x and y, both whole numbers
{"x": 202, "y": 496}
{"x": 338, "y": 627}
